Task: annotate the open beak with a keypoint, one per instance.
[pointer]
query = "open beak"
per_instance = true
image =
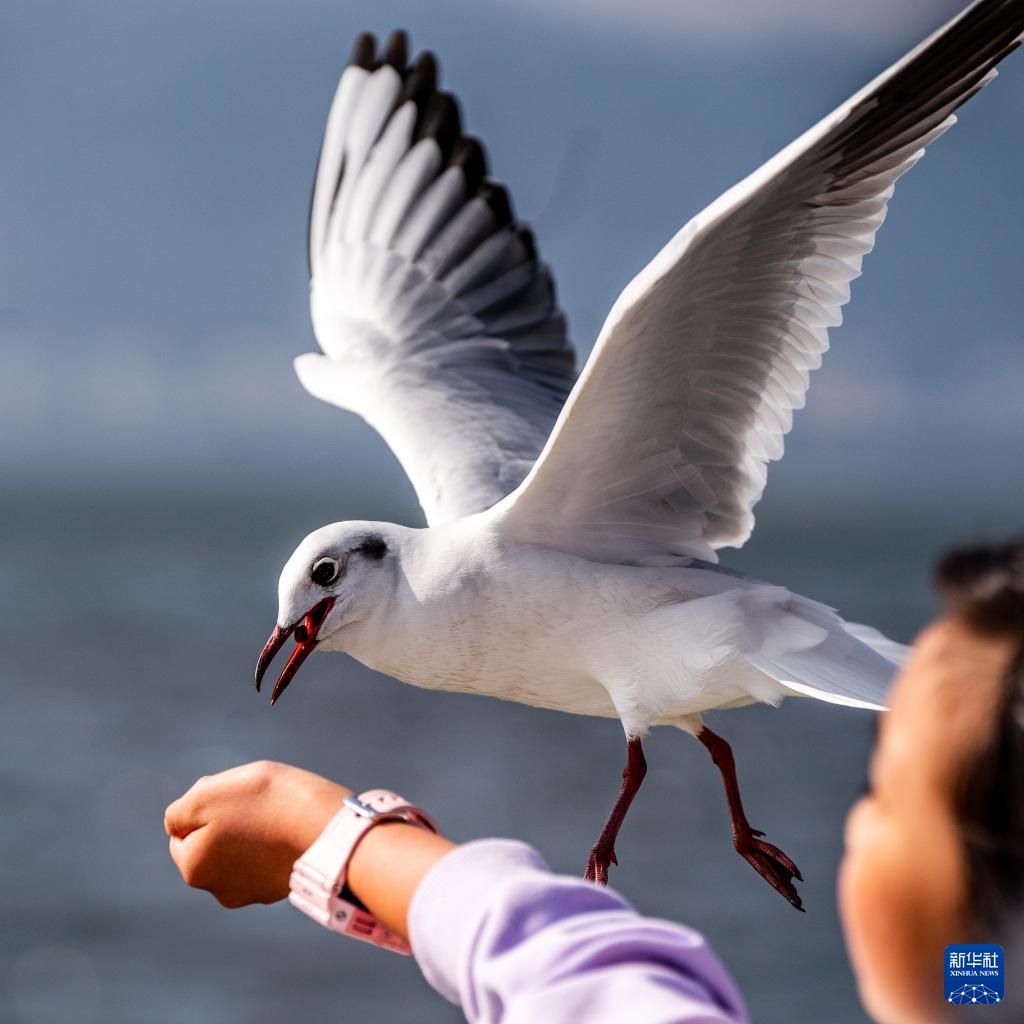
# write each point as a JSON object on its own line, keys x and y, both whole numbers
{"x": 305, "y": 631}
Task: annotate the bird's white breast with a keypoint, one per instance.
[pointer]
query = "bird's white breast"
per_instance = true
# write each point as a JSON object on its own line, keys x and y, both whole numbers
{"x": 527, "y": 623}
{"x": 475, "y": 616}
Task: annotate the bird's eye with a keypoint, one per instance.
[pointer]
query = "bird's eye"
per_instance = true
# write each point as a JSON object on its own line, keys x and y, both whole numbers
{"x": 325, "y": 571}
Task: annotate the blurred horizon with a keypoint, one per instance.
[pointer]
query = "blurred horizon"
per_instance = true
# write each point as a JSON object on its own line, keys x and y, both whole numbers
{"x": 154, "y": 292}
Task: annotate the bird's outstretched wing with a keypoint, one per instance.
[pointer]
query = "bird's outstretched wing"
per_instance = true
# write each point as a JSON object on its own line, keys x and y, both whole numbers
{"x": 437, "y": 321}
{"x": 662, "y": 448}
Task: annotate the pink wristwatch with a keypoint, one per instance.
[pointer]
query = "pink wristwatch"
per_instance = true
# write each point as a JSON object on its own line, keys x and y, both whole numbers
{"x": 318, "y": 876}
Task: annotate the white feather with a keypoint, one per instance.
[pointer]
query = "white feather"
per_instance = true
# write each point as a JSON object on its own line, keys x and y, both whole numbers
{"x": 418, "y": 168}
{"x": 376, "y": 100}
{"x": 378, "y": 171}
{"x": 332, "y": 153}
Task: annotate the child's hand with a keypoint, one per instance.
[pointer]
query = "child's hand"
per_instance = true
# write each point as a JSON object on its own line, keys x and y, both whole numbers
{"x": 237, "y": 834}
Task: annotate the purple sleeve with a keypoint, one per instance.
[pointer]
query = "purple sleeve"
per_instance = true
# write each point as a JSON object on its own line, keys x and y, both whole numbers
{"x": 493, "y": 930}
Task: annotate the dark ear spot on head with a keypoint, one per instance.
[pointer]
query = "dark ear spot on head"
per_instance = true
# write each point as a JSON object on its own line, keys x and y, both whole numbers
{"x": 373, "y": 547}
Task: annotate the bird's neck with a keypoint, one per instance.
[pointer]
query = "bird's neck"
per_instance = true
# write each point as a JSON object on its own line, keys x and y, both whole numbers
{"x": 442, "y": 589}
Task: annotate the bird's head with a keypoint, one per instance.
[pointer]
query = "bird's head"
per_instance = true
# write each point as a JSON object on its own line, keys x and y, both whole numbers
{"x": 337, "y": 576}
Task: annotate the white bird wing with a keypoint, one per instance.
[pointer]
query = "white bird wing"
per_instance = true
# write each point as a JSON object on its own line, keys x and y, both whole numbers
{"x": 663, "y": 445}
{"x": 437, "y": 320}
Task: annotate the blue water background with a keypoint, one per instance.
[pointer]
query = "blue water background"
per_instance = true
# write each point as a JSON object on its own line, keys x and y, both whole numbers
{"x": 130, "y": 619}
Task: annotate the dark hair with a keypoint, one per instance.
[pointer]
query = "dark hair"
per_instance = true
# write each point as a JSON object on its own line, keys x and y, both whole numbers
{"x": 984, "y": 586}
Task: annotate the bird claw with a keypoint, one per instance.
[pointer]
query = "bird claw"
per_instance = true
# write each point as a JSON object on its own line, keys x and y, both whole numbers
{"x": 774, "y": 866}
{"x": 598, "y": 862}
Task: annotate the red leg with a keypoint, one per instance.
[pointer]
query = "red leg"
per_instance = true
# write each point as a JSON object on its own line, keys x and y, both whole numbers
{"x": 767, "y": 860}
{"x": 603, "y": 852}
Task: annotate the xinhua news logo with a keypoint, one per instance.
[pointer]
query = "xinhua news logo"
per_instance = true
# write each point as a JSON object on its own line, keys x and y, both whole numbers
{"x": 974, "y": 974}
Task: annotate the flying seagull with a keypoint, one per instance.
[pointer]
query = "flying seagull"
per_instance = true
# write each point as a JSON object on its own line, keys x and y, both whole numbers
{"x": 570, "y": 557}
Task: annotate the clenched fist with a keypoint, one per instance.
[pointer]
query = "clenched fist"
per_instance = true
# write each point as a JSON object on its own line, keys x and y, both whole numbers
{"x": 237, "y": 834}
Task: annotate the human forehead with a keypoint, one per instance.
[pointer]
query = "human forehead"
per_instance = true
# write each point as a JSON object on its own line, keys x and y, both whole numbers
{"x": 945, "y": 697}
{"x": 953, "y": 665}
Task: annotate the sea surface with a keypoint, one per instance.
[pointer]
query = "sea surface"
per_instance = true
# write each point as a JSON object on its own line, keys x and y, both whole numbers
{"x": 130, "y": 618}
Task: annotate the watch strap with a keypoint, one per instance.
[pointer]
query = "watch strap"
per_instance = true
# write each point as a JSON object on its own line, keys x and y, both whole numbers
{"x": 317, "y": 884}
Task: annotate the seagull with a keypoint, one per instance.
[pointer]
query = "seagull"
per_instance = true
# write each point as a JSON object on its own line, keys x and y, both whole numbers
{"x": 570, "y": 557}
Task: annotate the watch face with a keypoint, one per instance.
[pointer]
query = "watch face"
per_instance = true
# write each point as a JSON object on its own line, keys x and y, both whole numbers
{"x": 400, "y": 809}
{"x": 356, "y": 806}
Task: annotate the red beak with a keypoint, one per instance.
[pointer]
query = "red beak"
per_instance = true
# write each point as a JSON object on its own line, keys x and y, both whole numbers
{"x": 305, "y": 631}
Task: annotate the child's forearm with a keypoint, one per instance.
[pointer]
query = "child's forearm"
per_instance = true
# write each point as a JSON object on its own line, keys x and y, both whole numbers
{"x": 388, "y": 865}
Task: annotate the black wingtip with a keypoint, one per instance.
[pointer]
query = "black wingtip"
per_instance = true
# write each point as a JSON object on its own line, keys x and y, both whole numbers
{"x": 494, "y": 194}
{"x": 396, "y": 50}
{"x": 441, "y": 121}
{"x": 525, "y": 236}
{"x": 420, "y": 82}
{"x": 469, "y": 154}
{"x": 364, "y": 52}
{"x": 426, "y": 66}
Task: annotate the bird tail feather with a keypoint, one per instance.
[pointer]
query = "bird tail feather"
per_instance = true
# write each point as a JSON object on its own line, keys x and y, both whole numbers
{"x": 811, "y": 651}
{"x": 891, "y": 650}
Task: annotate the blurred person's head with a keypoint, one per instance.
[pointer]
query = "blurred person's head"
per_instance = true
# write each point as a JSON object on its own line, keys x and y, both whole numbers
{"x": 935, "y": 850}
